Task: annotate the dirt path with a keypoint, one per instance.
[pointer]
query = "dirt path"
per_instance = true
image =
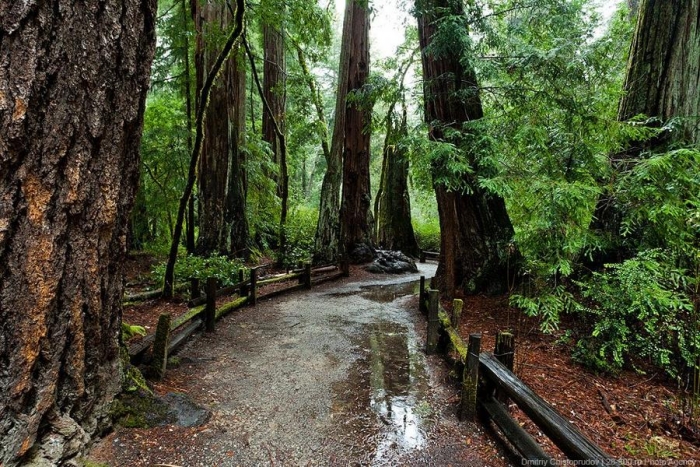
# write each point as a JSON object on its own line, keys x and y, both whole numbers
{"x": 335, "y": 376}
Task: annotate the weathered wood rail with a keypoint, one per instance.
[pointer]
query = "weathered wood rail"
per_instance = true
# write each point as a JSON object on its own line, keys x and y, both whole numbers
{"x": 488, "y": 382}
{"x": 428, "y": 254}
{"x": 204, "y": 313}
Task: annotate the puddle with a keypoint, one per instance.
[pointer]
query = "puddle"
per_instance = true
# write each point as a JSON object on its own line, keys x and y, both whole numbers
{"x": 384, "y": 398}
{"x": 389, "y": 292}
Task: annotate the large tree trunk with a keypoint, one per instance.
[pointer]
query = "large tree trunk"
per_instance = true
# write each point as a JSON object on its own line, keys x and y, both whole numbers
{"x": 326, "y": 244}
{"x": 275, "y": 93}
{"x": 474, "y": 225}
{"x": 356, "y": 223}
{"x": 217, "y": 146}
{"x": 662, "y": 81}
{"x": 393, "y": 208}
{"x": 73, "y": 81}
{"x": 235, "y": 214}
{"x": 663, "y": 73}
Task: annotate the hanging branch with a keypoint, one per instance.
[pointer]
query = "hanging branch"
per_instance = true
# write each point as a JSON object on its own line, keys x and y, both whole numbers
{"x": 199, "y": 139}
{"x": 282, "y": 143}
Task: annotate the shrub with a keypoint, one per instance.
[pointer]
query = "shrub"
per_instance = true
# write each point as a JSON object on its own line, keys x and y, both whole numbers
{"x": 198, "y": 267}
{"x": 427, "y": 234}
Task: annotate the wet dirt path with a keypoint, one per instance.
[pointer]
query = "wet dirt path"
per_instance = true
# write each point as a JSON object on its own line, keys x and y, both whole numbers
{"x": 334, "y": 376}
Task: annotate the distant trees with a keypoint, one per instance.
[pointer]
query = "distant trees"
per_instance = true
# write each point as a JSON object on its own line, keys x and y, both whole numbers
{"x": 72, "y": 92}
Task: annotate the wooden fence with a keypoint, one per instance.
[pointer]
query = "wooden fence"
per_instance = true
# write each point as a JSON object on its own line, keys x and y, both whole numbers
{"x": 488, "y": 382}
{"x": 172, "y": 333}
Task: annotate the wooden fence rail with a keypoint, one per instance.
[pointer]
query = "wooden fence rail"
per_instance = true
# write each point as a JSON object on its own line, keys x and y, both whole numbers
{"x": 173, "y": 333}
{"x": 488, "y": 382}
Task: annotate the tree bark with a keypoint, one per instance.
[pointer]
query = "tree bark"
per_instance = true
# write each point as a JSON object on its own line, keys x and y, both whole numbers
{"x": 356, "y": 225}
{"x": 235, "y": 214}
{"x": 73, "y": 81}
{"x": 216, "y": 148}
{"x": 327, "y": 240}
{"x": 663, "y": 73}
{"x": 662, "y": 82}
{"x": 474, "y": 226}
{"x": 394, "y": 228}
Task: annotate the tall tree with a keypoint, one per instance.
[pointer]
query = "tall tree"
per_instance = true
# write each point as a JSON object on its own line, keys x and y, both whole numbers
{"x": 327, "y": 240}
{"x": 392, "y": 207}
{"x": 275, "y": 94}
{"x": 210, "y": 18}
{"x": 393, "y": 203}
{"x": 235, "y": 217}
{"x": 475, "y": 228}
{"x": 356, "y": 222}
{"x": 73, "y": 81}
{"x": 662, "y": 83}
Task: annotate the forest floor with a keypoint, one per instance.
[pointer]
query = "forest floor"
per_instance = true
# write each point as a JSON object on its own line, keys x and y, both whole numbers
{"x": 337, "y": 376}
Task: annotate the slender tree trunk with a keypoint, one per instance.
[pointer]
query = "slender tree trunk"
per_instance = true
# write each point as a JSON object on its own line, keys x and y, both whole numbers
{"x": 356, "y": 224}
{"x": 217, "y": 147}
{"x": 326, "y": 242}
{"x": 72, "y": 93}
{"x": 474, "y": 226}
{"x": 235, "y": 215}
{"x": 274, "y": 88}
{"x": 203, "y": 99}
{"x": 662, "y": 81}
{"x": 190, "y": 237}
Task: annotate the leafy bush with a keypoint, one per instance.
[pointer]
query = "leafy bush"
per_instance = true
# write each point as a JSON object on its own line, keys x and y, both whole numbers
{"x": 427, "y": 234}
{"x": 640, "y": 308}
{"x": 300, "y": 232}
{"x": 197, "y": 267}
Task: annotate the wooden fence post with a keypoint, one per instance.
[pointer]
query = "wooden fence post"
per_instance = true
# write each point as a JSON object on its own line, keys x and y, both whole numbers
{"x": 244, "y": 287}
{"x": 253, "y": 285}
{"x": 194, "y": 288}
{"x": 421, "y": 296}
{"x": 470, "y": 380}
{"x": 433, "y": 323}
{"x": 422, "y": 256}
{"x": 210, "y": 308}
{"x": 504, "y": 351}
{"x": 160, "y": 346}
{"x": 307, "y": 275}
{"x": 457, "y": 306}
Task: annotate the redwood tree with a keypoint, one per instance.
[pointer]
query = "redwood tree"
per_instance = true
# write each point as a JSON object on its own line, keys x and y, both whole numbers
{"x": 73, "y": 81}
{"x": 327, "y": 240}
{"x": 662, "y": 83}
{"x": 474, "y": 225}
{"x": 356, "y": 224}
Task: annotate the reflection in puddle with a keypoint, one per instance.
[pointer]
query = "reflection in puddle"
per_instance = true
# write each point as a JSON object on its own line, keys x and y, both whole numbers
{"x": 389, "y": 293}
{"x": 383, "y": 402}
{"x": 395, "y": 381}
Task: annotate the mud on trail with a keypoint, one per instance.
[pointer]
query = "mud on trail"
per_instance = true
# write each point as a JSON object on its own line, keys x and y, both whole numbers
{"x": 334, "y": 376}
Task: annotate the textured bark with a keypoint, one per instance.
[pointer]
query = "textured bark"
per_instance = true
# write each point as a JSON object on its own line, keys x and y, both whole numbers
{"x": 187, "y": 85}
{"x": 73, "y": 80}
{"x": 327, "y": 240}
{"x": 474, "y": 227}
{"x": 235, "y": 214}
{"x": 393, "y": 208}
{"x": 662, "y": 81}
{"x": 356, "y": 223}
{"x": 663, "y": 73}
{"x": 216, "y": 148}
{"x": 275, "y": 93}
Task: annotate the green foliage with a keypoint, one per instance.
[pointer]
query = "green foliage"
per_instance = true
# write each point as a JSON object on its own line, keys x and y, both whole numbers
{"x": 300, "y": 231}
{"x": 641, "y": 308}
{"x": 197, "y": 267}
{"x": 131, "y": 330}
{"x": 427, "y": 234}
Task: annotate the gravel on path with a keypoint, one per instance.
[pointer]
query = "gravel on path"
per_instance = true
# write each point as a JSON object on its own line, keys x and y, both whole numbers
{"x": 334, "y": 376}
